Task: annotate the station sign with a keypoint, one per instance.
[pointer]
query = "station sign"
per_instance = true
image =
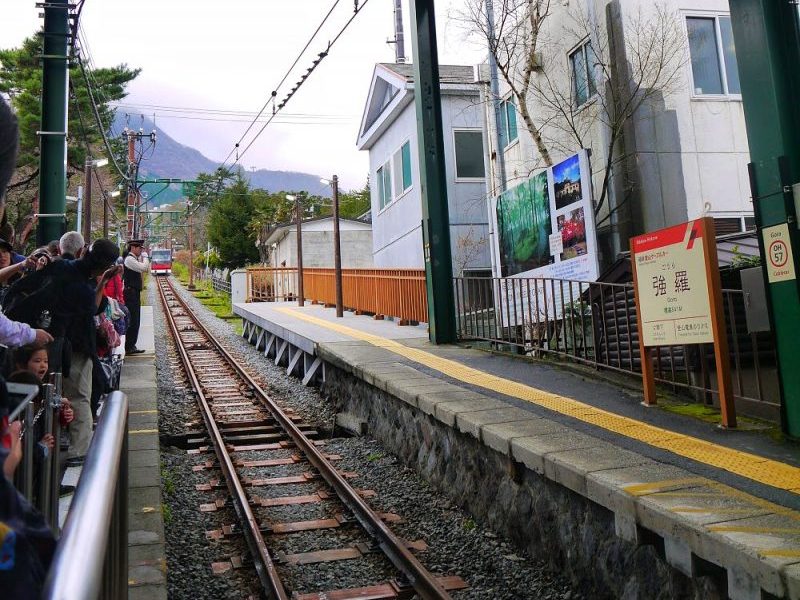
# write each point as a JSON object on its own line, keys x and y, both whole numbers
{"x": 672, "y": 287}
{"x": 679, "y": 301}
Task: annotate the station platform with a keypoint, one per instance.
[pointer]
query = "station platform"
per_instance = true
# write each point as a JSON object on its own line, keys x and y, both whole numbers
{"x": 147, "y": 564}
{"x": 725, "y": 498}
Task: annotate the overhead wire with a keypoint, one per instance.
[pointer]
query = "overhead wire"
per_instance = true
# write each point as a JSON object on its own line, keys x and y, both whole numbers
{"x": 85, "y": 136}
{"x": 281, "y": 82}
{"x": 99, "y": 120}
{"x": 356, "y": 10}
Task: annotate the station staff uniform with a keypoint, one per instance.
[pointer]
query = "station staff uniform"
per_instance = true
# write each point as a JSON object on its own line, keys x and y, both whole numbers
{"x": 136, "y": 262}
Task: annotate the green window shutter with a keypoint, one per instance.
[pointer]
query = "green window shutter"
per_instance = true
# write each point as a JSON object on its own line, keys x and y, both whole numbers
{"x": 406, "y": 159}
{"x": 511, "y": 116}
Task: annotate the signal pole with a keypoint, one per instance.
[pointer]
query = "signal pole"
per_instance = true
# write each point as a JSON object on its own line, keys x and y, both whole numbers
{"x": 53, "y": 133}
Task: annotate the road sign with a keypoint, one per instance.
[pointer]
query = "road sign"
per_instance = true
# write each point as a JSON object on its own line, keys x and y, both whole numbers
{"x": 778, "y": 248}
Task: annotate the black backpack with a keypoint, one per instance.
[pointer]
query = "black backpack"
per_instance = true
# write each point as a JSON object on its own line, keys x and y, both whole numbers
{"x": 34, "y": 298}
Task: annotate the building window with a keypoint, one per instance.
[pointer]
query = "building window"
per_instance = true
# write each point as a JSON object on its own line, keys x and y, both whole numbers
{"x": 469, "y": 154}
{"x": 383, "y": 180}
{"x": 508, "y": 122}
{"x": 401, "y": 165}
{"x": 405, "y": 151}
{"x": 713, "y": 56}
{"x": 582, "y": 63}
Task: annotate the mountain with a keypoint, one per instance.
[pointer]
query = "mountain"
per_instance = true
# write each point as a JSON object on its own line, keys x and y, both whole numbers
{"x": 171, "y": 159}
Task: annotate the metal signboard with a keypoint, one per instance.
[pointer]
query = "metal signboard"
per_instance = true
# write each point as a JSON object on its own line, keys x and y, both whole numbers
{"x": 672, "y": 287}
{"x": 679, "y": 300}
{"x": 544, "y": 228}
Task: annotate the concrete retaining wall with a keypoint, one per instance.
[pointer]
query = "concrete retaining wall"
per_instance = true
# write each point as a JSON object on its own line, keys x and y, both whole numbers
{"x": 553, "y": 523}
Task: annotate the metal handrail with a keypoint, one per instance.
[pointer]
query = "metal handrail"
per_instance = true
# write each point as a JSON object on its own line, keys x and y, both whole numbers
{"x": 92, "y": 555}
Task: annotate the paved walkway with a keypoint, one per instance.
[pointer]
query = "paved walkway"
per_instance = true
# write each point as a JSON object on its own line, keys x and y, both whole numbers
{"x": 147, "y": 567}
{"x": 700, "y": 486}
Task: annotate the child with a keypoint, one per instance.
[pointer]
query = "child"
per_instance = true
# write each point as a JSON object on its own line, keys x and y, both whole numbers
{"x": 34, "y": 360}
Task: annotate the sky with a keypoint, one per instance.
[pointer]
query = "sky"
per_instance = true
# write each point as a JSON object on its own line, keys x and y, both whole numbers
{"x": 212, "y": 56}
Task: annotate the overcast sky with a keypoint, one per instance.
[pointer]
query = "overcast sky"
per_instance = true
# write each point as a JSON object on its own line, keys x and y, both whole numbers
{"x": 229, "y": 56}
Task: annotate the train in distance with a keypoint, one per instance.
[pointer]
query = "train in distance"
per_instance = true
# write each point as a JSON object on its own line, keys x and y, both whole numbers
{"x": 161, "y": 261}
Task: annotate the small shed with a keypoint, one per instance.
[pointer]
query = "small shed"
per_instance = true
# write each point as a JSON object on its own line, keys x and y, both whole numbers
{"x": 279, "y": 244}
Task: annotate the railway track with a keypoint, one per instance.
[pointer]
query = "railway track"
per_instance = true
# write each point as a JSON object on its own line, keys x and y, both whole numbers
{"x": 277, "y": 476}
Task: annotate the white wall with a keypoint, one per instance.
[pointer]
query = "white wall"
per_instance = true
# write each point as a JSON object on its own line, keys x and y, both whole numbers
{"x": 397, "y": 232}
{"x": 687, "y": 150}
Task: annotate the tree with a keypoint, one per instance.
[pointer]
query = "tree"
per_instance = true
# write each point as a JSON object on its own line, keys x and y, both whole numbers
{"x": 639, "y": 60}
{"x": 630, "y": 64}
{"x": 228, "y": 218}
{"x": 514, "y": 41}
{"x": 21, "y": 80}
{"x": 354, "y": 203}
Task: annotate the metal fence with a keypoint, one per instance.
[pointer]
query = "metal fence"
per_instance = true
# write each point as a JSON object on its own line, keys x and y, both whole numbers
{"x": 91, "y": 559}
{"x": 398, "y": 293}
{"x": 220, "y": 279}
{"x": 595, "y": 324}
{"x": 38, "y": 480}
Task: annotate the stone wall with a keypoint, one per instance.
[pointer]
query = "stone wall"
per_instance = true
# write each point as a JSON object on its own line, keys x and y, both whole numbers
{"x": 570, "y": 532}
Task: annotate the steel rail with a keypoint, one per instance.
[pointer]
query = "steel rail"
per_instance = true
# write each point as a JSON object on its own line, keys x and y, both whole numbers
{"x": 423, "y": 582}
{"x": 265, "y": 566}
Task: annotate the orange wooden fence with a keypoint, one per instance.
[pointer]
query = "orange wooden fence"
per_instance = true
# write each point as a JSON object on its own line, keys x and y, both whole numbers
{"x": 398, "y": 293}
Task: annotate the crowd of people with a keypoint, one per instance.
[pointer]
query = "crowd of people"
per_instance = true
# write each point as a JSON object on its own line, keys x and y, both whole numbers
{"x": 68, "y": 307}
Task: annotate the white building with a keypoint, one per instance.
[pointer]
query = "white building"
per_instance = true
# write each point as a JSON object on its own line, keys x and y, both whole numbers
{"x": 684, "y": 152}
{"x": 355, "y": 242}
{"x": 389, "y": 132}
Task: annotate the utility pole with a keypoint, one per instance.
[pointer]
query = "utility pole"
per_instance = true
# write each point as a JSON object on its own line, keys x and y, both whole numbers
{"x": 435, "y": 212}
{"x": 132, "y": 190}
{"x": 53, "y": 133}
{"x": 133, "y": 167}
{"x": 298, "y": 221}
{"x": 337, "y": 247}
{"x": 87, "y": 202}
{"x": 191, "y": 246}
{"x": 767, "y": 38}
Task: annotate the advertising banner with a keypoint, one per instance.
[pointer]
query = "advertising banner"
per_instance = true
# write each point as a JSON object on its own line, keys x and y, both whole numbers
{"x": 544, "y": 228}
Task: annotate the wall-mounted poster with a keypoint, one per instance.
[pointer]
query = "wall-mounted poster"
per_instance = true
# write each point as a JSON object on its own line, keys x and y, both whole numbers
{"x": 525, "y": 219}
{"x": 523, "y": 226}
{"x": 567, "y": 182}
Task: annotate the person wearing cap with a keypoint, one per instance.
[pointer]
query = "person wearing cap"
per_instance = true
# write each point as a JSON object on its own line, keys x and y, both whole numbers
{"x": 136, "y": 262}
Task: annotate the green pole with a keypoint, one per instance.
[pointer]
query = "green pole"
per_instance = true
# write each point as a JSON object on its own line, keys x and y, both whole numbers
{"x": 435, "y": 212}
{"x": 767, "y": 38}
{"x": 53, "y": 135}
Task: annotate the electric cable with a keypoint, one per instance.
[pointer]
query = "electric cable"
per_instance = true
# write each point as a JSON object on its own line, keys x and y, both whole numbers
{"x": 286, "y": 75}
{"x": 99, "y": 120}
{"x": 357, "y": 9}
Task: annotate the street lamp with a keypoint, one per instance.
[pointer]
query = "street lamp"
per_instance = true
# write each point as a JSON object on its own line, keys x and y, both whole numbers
{"x": 106, "y": 208}
{"x": 87, "y": 204}
{"x": 337, "y": 246}
{"x": 298, "y": 221}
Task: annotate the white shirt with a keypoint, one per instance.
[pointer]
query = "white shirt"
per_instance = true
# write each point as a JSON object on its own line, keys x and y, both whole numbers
{"x": 134, "y": 264}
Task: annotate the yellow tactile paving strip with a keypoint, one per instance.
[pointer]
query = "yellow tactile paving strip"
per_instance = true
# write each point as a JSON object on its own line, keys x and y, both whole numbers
{"x": 760, "y": 469}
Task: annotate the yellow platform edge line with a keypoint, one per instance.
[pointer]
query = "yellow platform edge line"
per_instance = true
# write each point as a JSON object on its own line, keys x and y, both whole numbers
{"x": 754, "y": 467}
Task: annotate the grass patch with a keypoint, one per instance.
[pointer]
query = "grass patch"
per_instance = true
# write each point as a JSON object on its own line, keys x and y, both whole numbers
{"x": 167, "y": 480}
{"x": 373, "y": 456}
{"x": 469, "y": 524}
{"x": 166, "y": 513}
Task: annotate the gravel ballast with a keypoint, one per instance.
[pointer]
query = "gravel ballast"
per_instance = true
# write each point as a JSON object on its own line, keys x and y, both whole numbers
{"x": 457, "y": 544}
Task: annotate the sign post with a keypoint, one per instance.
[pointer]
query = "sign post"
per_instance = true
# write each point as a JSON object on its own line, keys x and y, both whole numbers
{"x": 679, "y": 300}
